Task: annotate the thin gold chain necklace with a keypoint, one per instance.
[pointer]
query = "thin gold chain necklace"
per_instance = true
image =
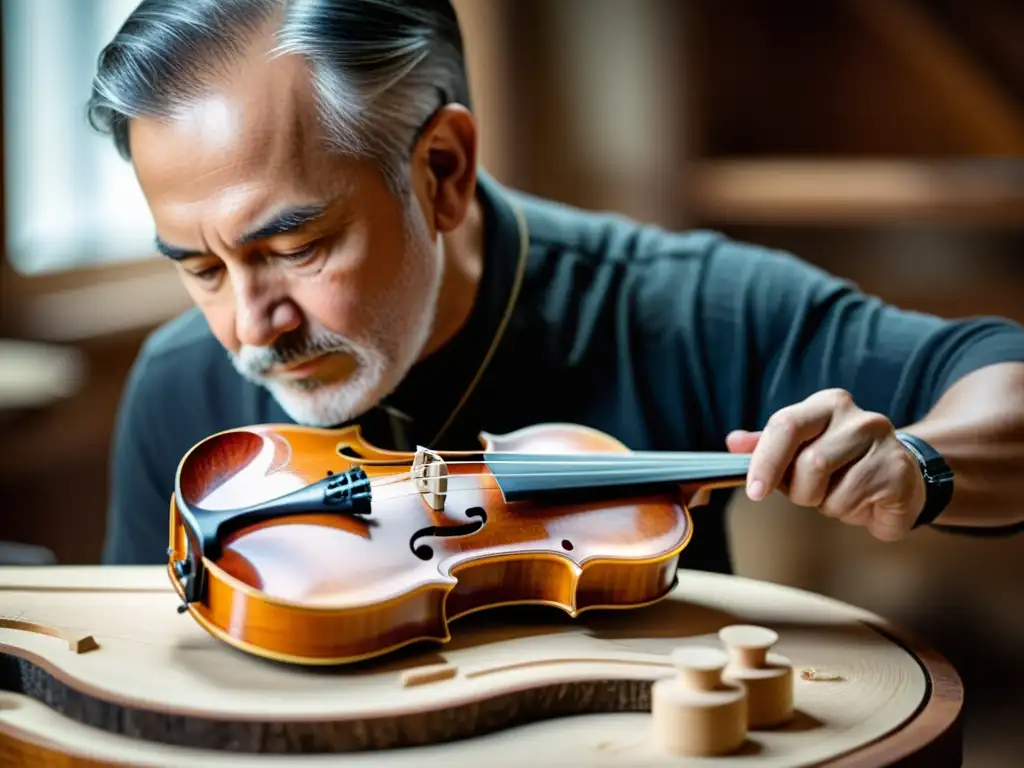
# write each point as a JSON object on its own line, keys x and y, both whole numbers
{"x": 394, "y": 415}
{"x": 524, "y": 243}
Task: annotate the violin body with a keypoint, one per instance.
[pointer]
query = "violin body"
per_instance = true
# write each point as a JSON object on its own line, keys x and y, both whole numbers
{"x": 313, "y": 546}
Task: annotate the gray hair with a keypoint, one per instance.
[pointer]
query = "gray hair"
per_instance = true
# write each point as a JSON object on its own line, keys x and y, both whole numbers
{"x": 380, "y": 68}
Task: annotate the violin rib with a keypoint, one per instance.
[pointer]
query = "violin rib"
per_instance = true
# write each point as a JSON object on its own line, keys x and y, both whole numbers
{"x": 312, "y": 546}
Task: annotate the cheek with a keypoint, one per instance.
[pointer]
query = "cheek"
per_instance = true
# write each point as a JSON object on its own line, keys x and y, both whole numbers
{"x": 362, "y": 279}
{"x": 221, "y": 319}
{"x": 338, "y": 300}
{"x": 218, "y": 309}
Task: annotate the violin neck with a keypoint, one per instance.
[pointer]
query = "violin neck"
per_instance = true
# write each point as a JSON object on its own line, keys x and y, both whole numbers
{"x": 530, "y": 476}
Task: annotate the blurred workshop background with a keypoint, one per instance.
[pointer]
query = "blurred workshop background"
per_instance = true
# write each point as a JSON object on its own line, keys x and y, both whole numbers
{"x": 880, "y": 139}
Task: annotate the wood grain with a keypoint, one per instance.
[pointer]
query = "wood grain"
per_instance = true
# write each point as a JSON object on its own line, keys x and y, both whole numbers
{"x": 159, "y": 691}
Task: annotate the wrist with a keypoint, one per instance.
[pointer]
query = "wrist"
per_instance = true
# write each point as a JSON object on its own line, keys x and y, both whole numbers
{"x": 937, "y": 475}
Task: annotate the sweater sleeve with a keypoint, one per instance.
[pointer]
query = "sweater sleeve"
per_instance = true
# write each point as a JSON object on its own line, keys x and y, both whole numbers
{"x": 771, "y": 330}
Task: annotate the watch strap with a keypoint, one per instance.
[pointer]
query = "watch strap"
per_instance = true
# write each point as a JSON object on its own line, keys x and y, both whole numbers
{"x": 938, "y": 477}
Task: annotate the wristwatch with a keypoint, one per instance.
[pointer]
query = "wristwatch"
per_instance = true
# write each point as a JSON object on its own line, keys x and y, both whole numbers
{"x": 938, "y": 477}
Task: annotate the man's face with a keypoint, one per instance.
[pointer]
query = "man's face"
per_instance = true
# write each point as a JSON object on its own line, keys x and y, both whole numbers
{"x": 321, "y": 284}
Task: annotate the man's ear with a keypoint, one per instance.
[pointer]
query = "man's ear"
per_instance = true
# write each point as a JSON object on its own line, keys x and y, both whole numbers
{"x": 444, "y": 166}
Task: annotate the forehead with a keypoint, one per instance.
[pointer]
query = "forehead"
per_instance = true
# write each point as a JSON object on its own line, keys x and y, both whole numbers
{"x": 250, "y": 143}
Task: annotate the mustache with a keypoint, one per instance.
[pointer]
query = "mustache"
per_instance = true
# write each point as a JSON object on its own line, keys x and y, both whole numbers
{"x": 258, "y": 361}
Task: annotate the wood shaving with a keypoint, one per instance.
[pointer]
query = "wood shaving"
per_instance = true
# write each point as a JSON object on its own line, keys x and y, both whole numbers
{"x": 813, "y": 674}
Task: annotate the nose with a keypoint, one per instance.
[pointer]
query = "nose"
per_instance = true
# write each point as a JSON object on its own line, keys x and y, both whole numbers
{"x": 262, "y": 314}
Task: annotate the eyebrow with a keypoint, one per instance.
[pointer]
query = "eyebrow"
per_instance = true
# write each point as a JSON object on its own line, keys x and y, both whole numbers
{"x": 281, "y": 223}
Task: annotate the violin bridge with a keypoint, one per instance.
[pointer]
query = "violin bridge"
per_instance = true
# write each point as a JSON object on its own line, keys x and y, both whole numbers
{"x": 430, "y": 474}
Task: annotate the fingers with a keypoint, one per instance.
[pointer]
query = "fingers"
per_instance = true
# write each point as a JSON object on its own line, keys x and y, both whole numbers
{"x": 851, "y": 497}
{"x": 883, "y": 492}
{"x": 819, "y": 466}
{"x": 786, "y": 430}
{"x": 888, "y": 528}
{"x": 741, "y": 441}
{"x": 831, "y": 455}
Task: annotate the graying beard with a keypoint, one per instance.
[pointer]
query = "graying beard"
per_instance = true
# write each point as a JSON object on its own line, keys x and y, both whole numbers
{"x": 306, "y": 385}
{"x": 277, "y": 356}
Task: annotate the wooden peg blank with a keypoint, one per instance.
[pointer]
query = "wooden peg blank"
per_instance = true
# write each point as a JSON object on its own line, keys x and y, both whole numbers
{"x": 767, "y": 676}
{"x": 696, "y": 712}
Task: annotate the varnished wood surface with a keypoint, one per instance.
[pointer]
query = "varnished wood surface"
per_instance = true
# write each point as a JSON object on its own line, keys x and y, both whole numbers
{"x": 327, "y": 589}
{"x": 156, "y": 681}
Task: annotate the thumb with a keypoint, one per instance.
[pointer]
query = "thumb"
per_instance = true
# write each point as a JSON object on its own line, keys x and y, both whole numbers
{"x": 742, "y": 441}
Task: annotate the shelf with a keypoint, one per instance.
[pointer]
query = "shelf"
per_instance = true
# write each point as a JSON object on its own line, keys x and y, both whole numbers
{"x": 785, "y": 192}
{"x": 37, "y": 375}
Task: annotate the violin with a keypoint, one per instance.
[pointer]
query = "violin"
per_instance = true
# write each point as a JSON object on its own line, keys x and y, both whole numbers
{"x": 313, "y": 546}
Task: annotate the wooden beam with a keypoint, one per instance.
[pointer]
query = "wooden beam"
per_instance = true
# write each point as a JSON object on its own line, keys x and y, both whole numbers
{"x": 994, "y": 118}
{"x": 487, "y": 53}
{"x": 845, "y": 192}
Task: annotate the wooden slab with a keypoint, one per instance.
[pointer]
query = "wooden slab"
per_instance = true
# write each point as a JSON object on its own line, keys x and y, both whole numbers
{"x": 141, "y": 684}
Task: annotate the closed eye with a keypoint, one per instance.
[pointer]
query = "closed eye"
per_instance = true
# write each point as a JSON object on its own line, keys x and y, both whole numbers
{"x": 300, "y": 257}
{"x": 205, "y": 274}
{"x": 305, "y": 253}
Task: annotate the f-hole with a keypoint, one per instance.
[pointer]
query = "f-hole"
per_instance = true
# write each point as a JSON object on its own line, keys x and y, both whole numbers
{"x": 425, "y": 551}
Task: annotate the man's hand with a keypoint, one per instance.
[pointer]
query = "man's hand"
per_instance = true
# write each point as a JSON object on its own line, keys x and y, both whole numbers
{"x": 827, "y": 453}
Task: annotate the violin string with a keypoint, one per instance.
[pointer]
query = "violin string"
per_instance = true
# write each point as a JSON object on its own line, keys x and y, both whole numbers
{"x": 732, "y": 463}
{"x": 449, "y": 490}
{"x": 393, "y": 480}
{"x": 727, "y": 464}
{"x": 696, "y": 458}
